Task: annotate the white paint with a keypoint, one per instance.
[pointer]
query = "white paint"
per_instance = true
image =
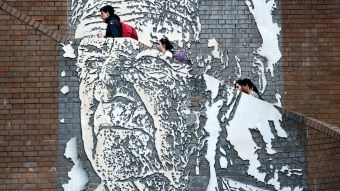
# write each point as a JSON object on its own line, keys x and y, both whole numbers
{"x": 223, "y": 162}
{"x": 212, "y": 85}
{"x": 215, "y": 52}
{"x": 63, "y": 74}
{"x": 274, "y": 181}
{"x": 212, "y": 127}
{"x": 78, "y": 176}
{"x": 65, "y": 90}
{"x": 240, "y": 136}
{"x": 238, "y": 72}
{"x": 62, "y": 121}
{"x": 229, "y": 184}
{"x": 262, "y": 11}
{"x": 291, "y": 171}
{"x": 69, "y": 51}
{"x": 278, "y": 99}
{"x": 261, "y": 73}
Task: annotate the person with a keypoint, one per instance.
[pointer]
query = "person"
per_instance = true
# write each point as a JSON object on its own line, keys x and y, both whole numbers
{"x": 165, "y": 46}
{"x": 237, "y": 85}
{"x": 246, "y": 86}
{"x": 114, "y": 28}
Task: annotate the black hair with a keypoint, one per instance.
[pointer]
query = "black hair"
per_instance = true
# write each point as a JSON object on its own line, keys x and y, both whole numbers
{"x": 168, "y": 45}
{"x": 239, "y": 82}
{"x": 108, "y": 8}
{"x": 249, "y": 83}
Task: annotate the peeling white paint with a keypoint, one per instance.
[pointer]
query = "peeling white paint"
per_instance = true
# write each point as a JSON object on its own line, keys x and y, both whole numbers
{"x": 238, "y": 72}
{"x": 244, "y": 144}
{"x": 78, "y": 176}
{"x": 216, "y": 53}
{"x": 262, "y": 11}
{"x": 278, "y": 99}
{"x": 69, "y": 51}
{"x": 65, "y": 90}
{"x": 213, "y": 128}
{"x": 63, "y": 74}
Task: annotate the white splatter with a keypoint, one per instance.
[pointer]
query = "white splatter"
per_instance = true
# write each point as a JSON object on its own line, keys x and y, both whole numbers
{"x": 69, "y": 51}
{"x": 78, "y": 176}
{"x": 238, "y": 72}
{"x": 65, "y": 90}
{"x": 212, "y": 126}
{"x": 215, "y": 52}
{"x": 62, "y": 121}
{"x": 278, "y": 99}
{"x": 262, "y": 11}
{"x": 63, "y": 74}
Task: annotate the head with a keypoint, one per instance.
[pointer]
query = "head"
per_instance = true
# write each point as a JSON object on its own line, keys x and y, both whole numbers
{"x": 164, "y": 44}
{"x": 237, "y": 85}
{"x": 106, "y": 12}
{"x": 122, "y": 105}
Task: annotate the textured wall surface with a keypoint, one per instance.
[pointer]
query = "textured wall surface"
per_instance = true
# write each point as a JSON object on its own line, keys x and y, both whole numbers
{"x": 199, "y": 134}
{"x": 29, "y": 94}
{"x": 310, "y": 47}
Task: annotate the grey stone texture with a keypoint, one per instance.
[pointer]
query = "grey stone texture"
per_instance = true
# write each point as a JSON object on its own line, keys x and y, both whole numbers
{"x": 235, "y": 30}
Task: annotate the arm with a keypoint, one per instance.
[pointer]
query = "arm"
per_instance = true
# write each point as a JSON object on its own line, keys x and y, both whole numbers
{"x": 114, "y": 28}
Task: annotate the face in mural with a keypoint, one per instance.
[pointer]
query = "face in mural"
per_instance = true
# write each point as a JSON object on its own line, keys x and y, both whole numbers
{"x": 138, "y": 129}
{"x": 136, "y": 117}
{"x": 176, "y": 19}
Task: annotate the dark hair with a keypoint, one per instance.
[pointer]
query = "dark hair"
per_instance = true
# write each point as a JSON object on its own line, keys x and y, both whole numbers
{"x": 239, "y": 82}
{"x": 249, "y": 83}
{"x": 168, "y": 45}
{"x": 108, "y": 8}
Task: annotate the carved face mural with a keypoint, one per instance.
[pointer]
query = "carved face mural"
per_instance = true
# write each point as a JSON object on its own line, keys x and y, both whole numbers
{"x": 136, "y": 119}
{"x": 139, "y": 128}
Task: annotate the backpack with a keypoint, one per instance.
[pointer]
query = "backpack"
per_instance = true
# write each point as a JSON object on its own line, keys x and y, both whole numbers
{"x": 128, "y": 31}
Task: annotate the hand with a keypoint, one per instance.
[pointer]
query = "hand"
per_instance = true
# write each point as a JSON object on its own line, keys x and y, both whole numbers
{"x": 100, "y": 35}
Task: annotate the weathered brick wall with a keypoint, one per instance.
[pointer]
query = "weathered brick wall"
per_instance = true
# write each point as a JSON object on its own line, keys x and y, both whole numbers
{"x": 29, "y": 93}
{"x": 323, "y": 157}
{"x": 310, "y": 48}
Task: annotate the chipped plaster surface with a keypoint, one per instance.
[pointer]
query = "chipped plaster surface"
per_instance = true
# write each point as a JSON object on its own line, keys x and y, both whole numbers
{"x": 138, "y": 128}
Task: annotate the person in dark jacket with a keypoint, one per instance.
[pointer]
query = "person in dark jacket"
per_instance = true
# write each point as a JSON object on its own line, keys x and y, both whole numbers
{"x": 114, "y": 28}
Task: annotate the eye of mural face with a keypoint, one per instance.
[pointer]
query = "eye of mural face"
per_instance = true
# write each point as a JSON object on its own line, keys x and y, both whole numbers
{"x": 94, "y": 64}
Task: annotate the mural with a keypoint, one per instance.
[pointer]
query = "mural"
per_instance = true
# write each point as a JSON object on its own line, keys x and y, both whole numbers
{"x": 139, "y": 127}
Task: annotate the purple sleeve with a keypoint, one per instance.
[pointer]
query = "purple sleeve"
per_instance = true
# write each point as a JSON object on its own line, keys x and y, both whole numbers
{"x": 181, "y": 57}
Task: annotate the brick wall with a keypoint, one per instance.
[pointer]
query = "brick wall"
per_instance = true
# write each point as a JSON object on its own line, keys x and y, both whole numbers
{"x": 322, "y": 151}
{"x": 323, "y": 155}
{"x": 29, "y": 92}
{"x": 311, "y": 67}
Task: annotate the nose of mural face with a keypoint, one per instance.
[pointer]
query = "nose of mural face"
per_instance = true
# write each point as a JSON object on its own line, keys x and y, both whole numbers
{"x": 132, "y": 94}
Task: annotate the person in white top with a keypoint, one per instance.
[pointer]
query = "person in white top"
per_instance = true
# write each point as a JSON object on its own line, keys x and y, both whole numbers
{"x": 246, "y": 86}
